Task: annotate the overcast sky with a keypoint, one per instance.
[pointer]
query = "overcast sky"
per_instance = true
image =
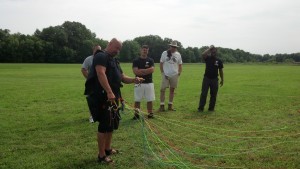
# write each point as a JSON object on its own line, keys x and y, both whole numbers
{"x": 256, "y": 26}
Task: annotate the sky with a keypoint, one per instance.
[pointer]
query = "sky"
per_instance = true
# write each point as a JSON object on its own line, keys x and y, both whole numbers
{"x": 255, "y": 26}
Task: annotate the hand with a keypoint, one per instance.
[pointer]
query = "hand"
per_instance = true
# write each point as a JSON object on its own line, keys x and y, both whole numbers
{"x": 111, "y": 97}
{"x": 163, "y": 74}
{"x": 138, "y": 80}
{"x": 221, "y": 83}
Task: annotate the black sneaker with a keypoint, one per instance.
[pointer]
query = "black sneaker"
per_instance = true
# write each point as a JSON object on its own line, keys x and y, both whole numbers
{"x": 200, "y": 110}
{"x": 136, "y": 117}
{"x": 211, "y": 109}
{"x": 150, "y": 116}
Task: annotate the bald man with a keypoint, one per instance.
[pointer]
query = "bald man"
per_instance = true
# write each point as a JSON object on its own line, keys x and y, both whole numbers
{"x": 103, "y": 90}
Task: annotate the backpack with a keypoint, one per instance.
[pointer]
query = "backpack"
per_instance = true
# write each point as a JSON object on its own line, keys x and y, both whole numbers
{"x": 92, "y": 85}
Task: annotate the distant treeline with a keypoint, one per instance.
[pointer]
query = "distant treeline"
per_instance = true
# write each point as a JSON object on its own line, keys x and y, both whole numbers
{"x": 71, "y": 42}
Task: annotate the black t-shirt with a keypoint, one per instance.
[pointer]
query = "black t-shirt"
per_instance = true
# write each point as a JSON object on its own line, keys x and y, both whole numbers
{"x": 212, "y": 67}
{"x": 146, "y": 63}
{"x": 113, "y": 73}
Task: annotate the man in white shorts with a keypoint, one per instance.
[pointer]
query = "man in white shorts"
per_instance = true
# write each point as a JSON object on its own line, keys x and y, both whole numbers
{"x": 85, "y": 68}
{"x": 144, "y": 67}
{"x": 170, "y": 68}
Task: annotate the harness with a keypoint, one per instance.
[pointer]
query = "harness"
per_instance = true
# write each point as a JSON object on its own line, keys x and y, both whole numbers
{"x": 114, "y": 113}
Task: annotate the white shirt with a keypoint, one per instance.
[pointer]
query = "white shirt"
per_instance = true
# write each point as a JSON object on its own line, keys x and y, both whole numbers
{"x": 87, "y": 63}
{"x": 170, "y": 65}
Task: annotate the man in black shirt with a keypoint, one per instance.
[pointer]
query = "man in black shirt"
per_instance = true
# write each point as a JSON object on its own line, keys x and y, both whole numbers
{"x": 143, "y": 66}
{"x": 210, "y": 79}
{"x": 103, "y": 90}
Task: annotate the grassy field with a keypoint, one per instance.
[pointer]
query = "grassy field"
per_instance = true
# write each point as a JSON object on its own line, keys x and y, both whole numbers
{"x": 44, "y": 121}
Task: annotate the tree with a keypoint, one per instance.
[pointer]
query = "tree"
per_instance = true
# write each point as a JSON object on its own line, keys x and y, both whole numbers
{"x": 101, "y": 42}
{"x": 4, "y": 35}
{"x": 55, "y": 34}
{"x": 129, "y": 51}
{"x": 156, "y": 45}
{"x": 71, "y": 42}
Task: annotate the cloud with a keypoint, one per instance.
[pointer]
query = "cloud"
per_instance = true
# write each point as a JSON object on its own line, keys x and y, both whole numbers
{"x": 257, "y": 26}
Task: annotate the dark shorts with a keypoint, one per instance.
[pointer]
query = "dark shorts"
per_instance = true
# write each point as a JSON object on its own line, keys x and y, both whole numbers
{"x": 105, "y": 112}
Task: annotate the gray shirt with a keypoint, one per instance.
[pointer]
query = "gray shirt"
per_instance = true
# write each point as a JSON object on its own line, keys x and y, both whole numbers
{"x": 87, "y": 63}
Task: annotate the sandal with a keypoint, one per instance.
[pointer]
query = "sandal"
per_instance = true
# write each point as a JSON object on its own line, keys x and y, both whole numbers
{"x": 136, "y": 117}
{"x": 111, "y": 152}
{"x": 105, "y": 160}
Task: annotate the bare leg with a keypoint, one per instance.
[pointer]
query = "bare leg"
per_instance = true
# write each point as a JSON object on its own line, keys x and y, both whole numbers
{"x": 171, "y": 95}
{"x": 108, "y": 140}
{"x": 162, "y": 96}
{"x": 101, "y": 144}
{"x": 149, "y": 107}
{"x": 137, "y": 105}
{"x": 162, "y": 100}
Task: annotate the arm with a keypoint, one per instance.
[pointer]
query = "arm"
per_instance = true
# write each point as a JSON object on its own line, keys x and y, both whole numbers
{"x": 142, "y": 72}
{"x": 137, "y": 71}
{"x": 128, "y": 80}
{"x": 161, "y": 65}
{"x": 205, "y": 53}
{"x": 179, "y": 69}
{"x": 147, "y": 71}
{"x": 151, "y": 68}
{"x": 222, "y": 77}
{"x": 104, "y": 82}
{"x": 84, "y": 72}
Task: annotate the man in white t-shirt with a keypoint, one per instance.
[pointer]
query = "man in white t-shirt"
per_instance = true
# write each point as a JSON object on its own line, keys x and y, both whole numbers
{"x": 170, "y": 68}
{"x": 85, "y": 68}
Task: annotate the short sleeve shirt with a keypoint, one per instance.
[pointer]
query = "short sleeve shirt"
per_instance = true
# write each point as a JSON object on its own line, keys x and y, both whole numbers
{"x": 87, "y": 63}
{"x": 113, "y": 73}
{"x": 212, "y": 67}
{"x": 170, "y": 64}
{"x": 146, "y": 63}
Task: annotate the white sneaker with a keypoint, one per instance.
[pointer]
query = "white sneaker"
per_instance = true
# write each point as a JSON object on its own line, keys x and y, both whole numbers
{"x": 91, "y": 119}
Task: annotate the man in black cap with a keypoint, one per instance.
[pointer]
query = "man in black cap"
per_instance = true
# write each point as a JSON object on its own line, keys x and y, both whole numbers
{"x": 210, "y": 79}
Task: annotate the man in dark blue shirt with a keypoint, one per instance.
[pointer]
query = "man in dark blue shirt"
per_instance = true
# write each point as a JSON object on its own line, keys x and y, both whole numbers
{"x": 210, "y": 79}
{"x": 143, "y": 66}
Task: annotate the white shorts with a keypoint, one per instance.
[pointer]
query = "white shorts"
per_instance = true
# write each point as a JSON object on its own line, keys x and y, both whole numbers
{"x": 144, "y": 90}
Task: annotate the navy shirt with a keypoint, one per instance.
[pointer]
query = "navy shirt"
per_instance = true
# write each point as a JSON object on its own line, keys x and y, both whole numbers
{"x": 212, "y": 67}
{"x": 113, "y": 73}
{"x": 146, "y": 63}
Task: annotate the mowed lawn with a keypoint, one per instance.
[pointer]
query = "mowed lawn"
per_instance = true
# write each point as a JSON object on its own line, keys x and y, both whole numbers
{"x": 44, "y": 120}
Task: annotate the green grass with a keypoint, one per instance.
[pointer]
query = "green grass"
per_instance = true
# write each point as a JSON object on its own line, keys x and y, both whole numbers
{"x": 44, "y": 121}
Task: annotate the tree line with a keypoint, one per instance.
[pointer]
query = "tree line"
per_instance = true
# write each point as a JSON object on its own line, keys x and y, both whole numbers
{"x": 71, "y": 42}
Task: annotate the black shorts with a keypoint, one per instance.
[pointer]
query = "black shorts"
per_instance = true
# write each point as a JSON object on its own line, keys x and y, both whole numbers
{"x": 105, "y": 112}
